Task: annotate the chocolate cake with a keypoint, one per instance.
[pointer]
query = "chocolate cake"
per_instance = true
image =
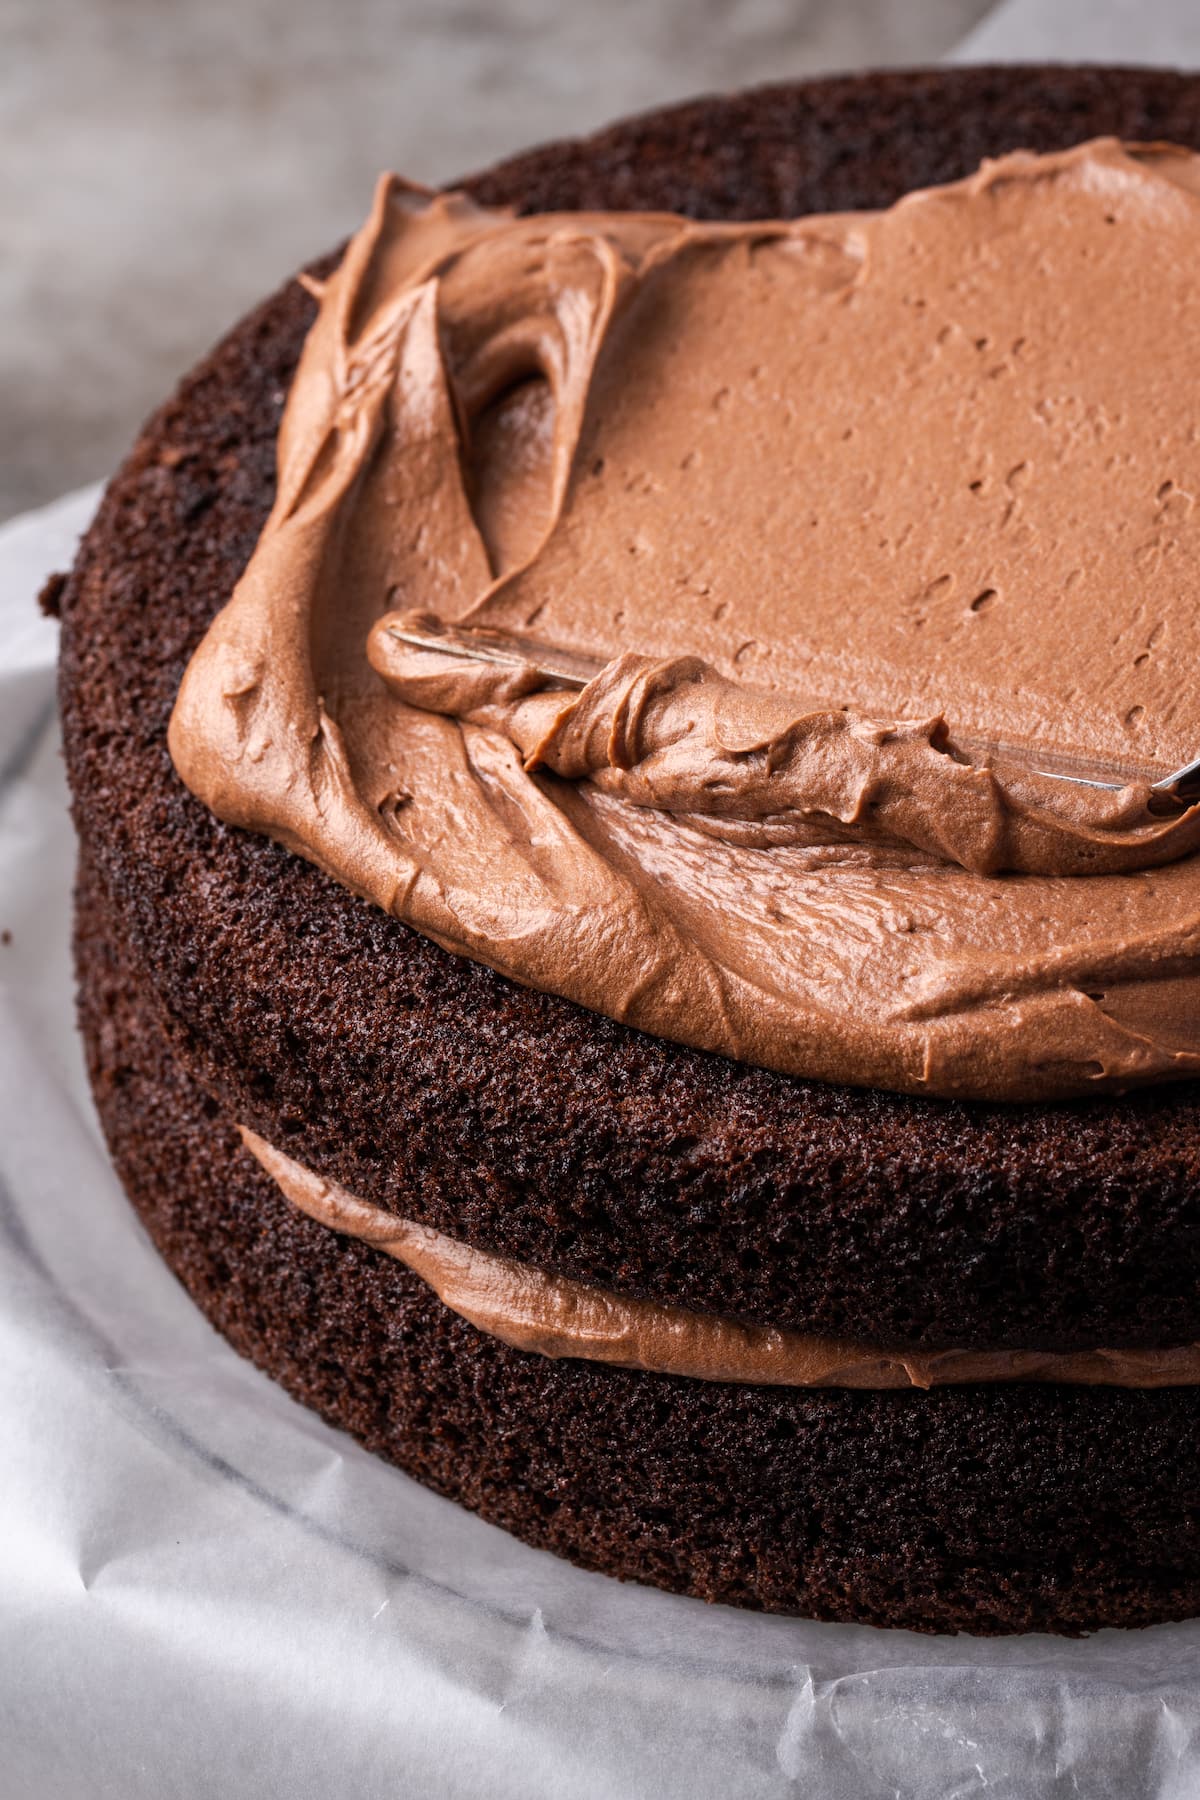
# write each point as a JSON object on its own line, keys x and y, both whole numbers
{"x": 915, "y": 1346}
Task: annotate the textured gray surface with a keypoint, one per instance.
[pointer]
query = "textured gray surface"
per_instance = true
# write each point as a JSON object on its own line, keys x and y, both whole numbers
{"x": 1164, "y": 32}
{"x": 165, "y": 162}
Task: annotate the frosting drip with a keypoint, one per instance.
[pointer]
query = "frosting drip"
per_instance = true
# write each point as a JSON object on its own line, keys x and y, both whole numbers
{"x": 828, "y": 500}
{"x": 554, "y": 1317}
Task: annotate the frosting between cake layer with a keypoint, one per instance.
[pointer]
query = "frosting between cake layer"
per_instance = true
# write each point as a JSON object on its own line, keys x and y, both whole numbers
{"x": 824, "y": 497}
{"x": 556, "y": 1317}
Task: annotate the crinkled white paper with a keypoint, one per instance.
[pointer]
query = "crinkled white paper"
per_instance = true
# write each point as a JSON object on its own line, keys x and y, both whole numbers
{"x": 203, "y": 1590}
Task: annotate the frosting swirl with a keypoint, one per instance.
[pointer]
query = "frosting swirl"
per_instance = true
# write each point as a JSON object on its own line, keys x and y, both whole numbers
{"x": 826, "y": 499}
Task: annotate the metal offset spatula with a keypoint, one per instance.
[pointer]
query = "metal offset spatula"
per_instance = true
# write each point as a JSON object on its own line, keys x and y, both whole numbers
{"x": 567, "y": 669}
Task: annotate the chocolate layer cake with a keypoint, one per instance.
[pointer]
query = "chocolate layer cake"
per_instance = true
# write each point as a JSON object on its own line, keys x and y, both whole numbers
{"x": 915, "y": 1346}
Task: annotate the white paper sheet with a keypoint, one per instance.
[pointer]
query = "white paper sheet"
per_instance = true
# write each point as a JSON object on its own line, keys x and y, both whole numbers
{"x": 203, "y": 1590}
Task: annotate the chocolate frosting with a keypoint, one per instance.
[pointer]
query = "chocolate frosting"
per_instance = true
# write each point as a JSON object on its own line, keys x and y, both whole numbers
{"x": 834, "y": 502}
{"x": 673, "y": 734}
{"x": 556, "y": 1317}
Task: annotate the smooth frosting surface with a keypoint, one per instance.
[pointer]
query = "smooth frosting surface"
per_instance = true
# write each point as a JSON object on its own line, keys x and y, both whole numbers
{"x": 555, "y": 1317}
{"x": 847, "y": 508}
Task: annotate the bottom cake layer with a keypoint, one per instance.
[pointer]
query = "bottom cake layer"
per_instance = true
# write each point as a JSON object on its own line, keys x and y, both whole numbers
{"x": 983, "y": 1509}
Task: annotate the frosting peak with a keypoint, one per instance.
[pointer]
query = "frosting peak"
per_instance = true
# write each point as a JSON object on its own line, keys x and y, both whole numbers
{"x": 824, "y": 501}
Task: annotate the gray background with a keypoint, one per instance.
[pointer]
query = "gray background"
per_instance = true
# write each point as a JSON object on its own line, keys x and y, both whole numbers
{"x": 163, "y": 163}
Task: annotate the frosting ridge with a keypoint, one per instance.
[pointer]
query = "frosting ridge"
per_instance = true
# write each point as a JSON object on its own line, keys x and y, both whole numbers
{"x": 675, "y": 735}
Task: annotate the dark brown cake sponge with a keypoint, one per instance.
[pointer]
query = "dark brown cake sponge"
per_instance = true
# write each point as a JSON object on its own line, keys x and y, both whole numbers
{"x": 977, "y": 1509}
{"x": 513, "y": 1119}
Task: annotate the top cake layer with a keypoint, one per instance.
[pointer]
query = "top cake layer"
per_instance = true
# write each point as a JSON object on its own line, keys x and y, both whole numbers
{"x": 926, "y": 477}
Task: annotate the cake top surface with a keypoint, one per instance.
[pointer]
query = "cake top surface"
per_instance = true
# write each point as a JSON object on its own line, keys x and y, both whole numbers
{"x": 824, "y": 500}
